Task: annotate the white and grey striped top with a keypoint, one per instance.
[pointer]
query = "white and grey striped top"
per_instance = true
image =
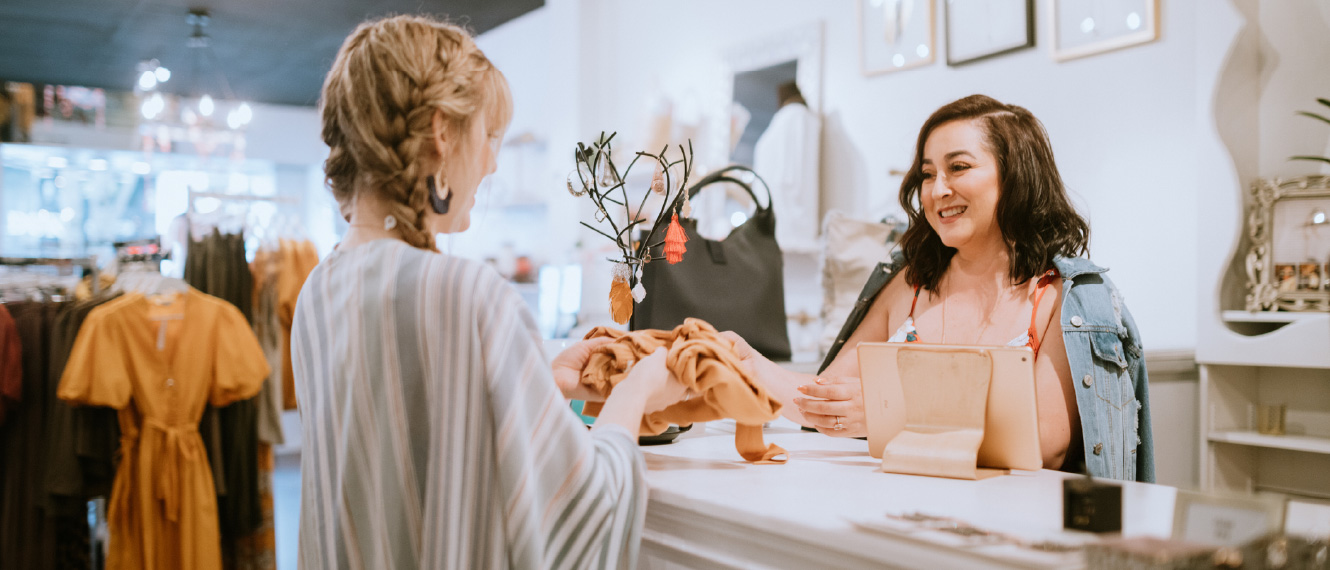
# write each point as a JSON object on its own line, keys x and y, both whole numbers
{"x": 434, "y": 435}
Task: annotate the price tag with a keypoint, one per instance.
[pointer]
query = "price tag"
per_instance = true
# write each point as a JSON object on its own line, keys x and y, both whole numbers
{"x": 1226, "y": 520}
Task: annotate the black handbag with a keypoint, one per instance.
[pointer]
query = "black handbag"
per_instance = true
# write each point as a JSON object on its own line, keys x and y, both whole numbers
{"x": 737, "y": 284}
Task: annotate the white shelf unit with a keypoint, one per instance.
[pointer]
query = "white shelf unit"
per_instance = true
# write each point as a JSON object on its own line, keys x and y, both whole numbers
{"x": 1256, "y": 370}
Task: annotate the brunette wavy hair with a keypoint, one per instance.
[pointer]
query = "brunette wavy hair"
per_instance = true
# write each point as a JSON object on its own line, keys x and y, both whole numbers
{"x": 1037, "y": 220}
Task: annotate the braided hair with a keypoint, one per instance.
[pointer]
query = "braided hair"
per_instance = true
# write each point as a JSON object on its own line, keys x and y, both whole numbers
{"x": 379, "y": 100}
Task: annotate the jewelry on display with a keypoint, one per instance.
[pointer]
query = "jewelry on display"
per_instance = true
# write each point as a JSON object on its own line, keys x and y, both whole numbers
{"x": 838, "y": 426}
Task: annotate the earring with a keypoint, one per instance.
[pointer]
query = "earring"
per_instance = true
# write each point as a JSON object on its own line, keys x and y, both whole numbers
{"x": 439, "y": 205}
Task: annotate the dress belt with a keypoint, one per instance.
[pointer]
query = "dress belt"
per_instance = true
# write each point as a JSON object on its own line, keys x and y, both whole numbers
{"x": 175, "y": 438}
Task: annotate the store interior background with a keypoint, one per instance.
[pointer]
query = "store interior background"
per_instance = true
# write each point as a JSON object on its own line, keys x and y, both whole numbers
{"x": 1156, "y": 142}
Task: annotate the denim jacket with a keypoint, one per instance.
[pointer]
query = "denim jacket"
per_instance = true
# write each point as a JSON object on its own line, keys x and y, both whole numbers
{"x": 1107, "y": 366}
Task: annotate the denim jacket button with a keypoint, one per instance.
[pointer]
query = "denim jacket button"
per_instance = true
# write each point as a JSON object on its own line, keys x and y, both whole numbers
{"x": 1077, "y": 321}
{"x": 1098, "y": 448}
{"x": 1088, "y": 380}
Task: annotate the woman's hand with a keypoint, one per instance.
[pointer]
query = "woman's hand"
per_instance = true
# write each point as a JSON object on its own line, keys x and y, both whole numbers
{"x": 830, "y": 398}
{"x": 747, "y": 356}
{"x": 568, "y": 365}
{"x": 659, "y": 381}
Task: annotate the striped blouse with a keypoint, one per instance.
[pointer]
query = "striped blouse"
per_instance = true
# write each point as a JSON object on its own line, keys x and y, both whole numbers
{"x": 434, "y": 434}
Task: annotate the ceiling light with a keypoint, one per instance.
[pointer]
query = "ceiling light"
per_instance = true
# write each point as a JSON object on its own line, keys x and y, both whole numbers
{"x": 57, "y": 162}
{"x": 147, "y": 80}
{"x": 206, "y": 106}
{"x": 163, "y": 74}
{"x": 97, "y": 164}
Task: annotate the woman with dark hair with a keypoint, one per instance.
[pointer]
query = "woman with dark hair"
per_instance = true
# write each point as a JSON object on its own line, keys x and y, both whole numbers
{"x": 995, "y": 256}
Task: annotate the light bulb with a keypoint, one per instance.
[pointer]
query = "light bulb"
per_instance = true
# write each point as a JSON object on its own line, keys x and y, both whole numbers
{"x": 205, "y": 106}
{"x": 163, "y": 74}
{"x": 245, "y": 113}
{"x": 233, "y": 119}
{"x": 147, "y": 81}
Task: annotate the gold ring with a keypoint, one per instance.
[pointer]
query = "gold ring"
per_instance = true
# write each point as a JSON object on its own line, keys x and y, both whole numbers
{"x": 838, "y": 425}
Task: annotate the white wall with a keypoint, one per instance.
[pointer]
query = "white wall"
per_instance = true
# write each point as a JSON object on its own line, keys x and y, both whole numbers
{"x": 1294, "y": 49}
{"x": 1122, "y": 123}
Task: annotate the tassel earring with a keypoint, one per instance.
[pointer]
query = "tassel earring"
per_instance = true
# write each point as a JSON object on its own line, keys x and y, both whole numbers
{"x": 675, "y": 238}
{"x": 439, "y": 205}
{"x": 621, "y": 295}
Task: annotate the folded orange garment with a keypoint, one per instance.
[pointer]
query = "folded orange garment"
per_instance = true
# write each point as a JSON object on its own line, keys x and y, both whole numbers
{"x": 703, "y": 361}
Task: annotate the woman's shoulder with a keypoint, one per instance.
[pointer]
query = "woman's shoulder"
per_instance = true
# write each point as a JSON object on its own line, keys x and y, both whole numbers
{"x": 1073, "y": 268}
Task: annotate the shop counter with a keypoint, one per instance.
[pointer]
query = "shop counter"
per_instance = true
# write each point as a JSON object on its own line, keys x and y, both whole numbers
{"x": 828, "y": 507}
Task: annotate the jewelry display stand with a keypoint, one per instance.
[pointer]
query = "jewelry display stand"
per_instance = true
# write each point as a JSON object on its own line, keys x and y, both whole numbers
{"x": 944, "y": 421}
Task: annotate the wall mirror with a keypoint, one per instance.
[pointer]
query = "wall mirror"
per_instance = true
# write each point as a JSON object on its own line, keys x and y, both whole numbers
{"x": 1288, "y": 265}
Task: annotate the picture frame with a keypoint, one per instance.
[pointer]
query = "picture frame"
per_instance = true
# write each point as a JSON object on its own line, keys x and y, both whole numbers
{"x": 895, "y": 35}
{"x": 1226, "y": 519}
{"x": 1287, "y": 259}
{"x": 977, "y": 30}
{"x": 1083, "y": 28}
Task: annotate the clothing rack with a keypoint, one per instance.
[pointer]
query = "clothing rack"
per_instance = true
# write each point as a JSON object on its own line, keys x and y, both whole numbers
{"x": 88, "y": 264}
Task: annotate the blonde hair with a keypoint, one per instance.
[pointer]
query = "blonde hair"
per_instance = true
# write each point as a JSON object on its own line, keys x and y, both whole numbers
{"x": 379, "y": 100}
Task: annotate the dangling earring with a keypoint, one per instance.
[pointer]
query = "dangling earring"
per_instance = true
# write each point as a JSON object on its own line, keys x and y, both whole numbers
{"x": 439, "y": 205}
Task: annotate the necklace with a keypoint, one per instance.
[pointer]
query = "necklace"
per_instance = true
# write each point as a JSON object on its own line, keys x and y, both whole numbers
{"x": 988, "y": 317}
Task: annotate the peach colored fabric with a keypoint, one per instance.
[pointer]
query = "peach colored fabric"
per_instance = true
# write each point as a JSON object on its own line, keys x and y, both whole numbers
{"x": 704, "y": 362}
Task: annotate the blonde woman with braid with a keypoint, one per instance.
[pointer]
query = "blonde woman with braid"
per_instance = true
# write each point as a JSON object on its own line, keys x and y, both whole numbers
{"x": 436, "y": 433}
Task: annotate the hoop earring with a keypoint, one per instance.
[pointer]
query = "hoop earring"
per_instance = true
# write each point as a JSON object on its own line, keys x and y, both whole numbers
{"x": 439, "y": 205}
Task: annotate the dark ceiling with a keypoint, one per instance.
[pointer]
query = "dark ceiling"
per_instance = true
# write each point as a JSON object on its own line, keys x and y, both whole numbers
{"x": 269, "y": 51}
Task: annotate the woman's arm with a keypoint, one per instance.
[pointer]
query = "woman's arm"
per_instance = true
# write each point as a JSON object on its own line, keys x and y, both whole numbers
{"x": 1059, "y": 418}
{"x": 817, "y": 401}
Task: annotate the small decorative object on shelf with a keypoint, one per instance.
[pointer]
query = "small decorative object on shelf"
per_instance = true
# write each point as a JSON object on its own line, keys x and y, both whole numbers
{"x": 1279, "y": 276}
{"x": 604, "y": 184}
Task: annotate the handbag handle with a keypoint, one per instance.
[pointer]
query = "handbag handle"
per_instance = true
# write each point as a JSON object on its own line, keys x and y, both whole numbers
{"x": 725, "y": 175}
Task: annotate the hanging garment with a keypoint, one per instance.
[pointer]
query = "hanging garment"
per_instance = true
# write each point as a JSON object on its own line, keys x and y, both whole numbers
{"x": 27, "y": 534}
{"x": 83, "y": 438}
{"x": 210, "y": 426}
{"x": 258, "y": 550}
{"x": 82, "y": 442}
{"x": 787, "y": 156}
{"x": 220, "y": 270}
{"x": 11, "y": 364}
{"x": 159, "y": 374}
{"x": 298, "y": 259}
{"x": 704, "y": 362}
{"x": 268, "y": 329}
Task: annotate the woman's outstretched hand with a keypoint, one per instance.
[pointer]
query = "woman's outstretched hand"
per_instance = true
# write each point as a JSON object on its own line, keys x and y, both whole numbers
{"x": 828, "y": 400}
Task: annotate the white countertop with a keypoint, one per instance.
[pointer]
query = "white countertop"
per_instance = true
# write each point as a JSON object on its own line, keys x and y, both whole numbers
{"x": 709, "y": 508}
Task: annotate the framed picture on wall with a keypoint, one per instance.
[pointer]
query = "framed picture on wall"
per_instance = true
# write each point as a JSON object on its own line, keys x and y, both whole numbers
{"x": 980, "y": 29}
{"x": 895, "y": 35}
{"x": 1089, "y": 27}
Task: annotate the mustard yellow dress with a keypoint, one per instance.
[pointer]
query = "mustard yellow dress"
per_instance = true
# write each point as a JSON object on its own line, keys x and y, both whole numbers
{"x": 298, "y": 259}
{"x": 159, "y": 362}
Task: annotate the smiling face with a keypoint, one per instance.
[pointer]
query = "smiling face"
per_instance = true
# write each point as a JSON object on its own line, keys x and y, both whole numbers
{"x": 960, "y": 189}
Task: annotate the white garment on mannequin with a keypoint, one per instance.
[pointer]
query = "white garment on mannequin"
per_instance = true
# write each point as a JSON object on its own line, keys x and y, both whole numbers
{"x": 787, "y": 156}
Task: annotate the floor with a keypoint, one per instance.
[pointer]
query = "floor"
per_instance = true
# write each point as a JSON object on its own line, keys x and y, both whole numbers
{"x": 286, "y": 508}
